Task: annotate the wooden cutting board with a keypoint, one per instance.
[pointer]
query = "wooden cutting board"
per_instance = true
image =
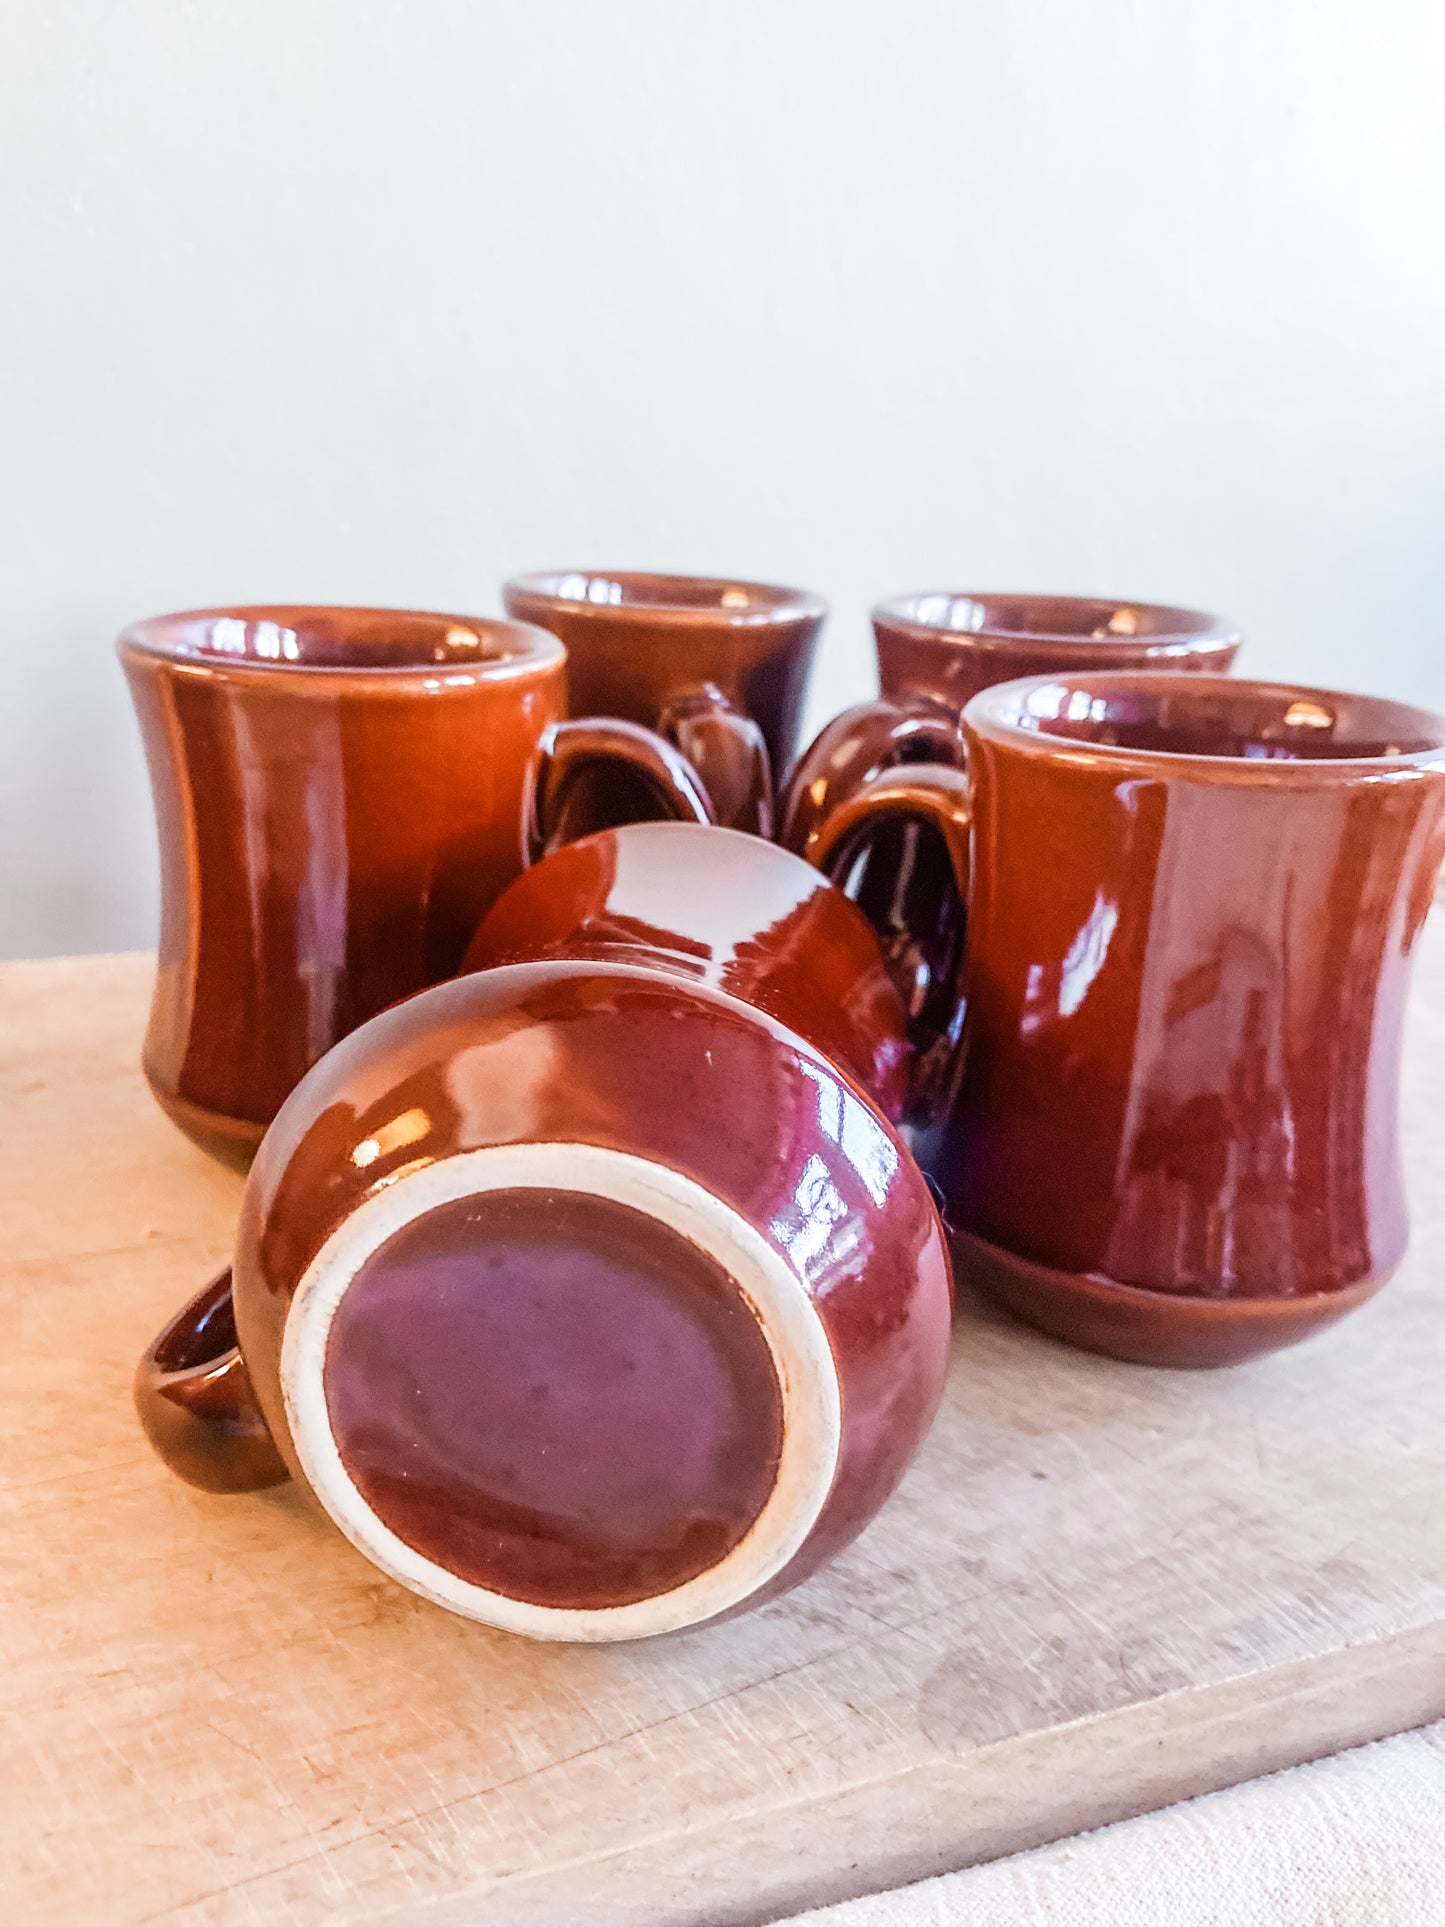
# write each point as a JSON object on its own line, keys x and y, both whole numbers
{"x": 1100, "y": 1589}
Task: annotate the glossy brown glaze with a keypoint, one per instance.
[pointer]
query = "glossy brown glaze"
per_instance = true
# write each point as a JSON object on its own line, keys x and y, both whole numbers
{"x": 196, "y": 1402}
{"x": 945, "y": 646}
{"x": 657, "y": 1060}
{"x": 668, "y": 1070}
{"x": 901, "y": 846}
{"x": 723, "y": 909}
{"x": 1148, "y": 1327}
{"x": 646, "y": 775}
{"x": 938, "y": 649}
{"x": 717, "y": 666}
{"x": 338, "y": 797}
{"x": 625, "y": 1426}
{"x": 1192, "y": 910}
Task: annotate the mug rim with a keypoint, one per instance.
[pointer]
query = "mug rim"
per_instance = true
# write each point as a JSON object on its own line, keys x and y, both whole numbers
{"x": 992, "y": 715}
{"x": 1184, "y": 631}
{"x": 778, "y": 604}
{"x": 164, "y": 638}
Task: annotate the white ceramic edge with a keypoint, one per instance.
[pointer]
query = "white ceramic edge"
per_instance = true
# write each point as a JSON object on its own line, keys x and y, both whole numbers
{"x": 802, "y": 1357}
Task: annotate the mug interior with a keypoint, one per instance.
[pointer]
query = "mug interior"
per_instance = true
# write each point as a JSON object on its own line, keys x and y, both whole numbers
{"x": 1212, "y": 717}
{"x": 1051, "y": 618}
{"x": 337, "y": 638}
{"x": 716, "y": 597}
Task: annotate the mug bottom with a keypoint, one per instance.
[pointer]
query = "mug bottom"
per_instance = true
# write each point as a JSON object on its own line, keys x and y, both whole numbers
{"x": 1147, "y": 1327}
{"x": 230, "y": 1140}
{"x": 562, "y": 1390}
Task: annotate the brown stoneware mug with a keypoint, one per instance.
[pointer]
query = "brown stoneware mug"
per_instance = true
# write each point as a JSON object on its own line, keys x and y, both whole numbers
{"x": 592, "y": 1294}
{"x": 1169, "y": 1131}
{"x": 340, "y": 796}
{"x": 938, "y": 649}
{"x": 718, "y": 667}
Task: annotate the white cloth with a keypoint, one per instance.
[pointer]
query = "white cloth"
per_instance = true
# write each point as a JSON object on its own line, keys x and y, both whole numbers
{"x": 1356, "y": 1840}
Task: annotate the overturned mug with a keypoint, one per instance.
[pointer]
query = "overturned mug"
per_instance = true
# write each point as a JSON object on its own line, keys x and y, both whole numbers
{"x": 1169, "y": 1129}
{"x": 718, "y": 666}
{"x": 591, "y": 1293}
{"x": 340, "y": 797}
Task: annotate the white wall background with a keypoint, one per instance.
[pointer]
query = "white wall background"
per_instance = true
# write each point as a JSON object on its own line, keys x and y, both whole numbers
{"x": 379, "y": 300}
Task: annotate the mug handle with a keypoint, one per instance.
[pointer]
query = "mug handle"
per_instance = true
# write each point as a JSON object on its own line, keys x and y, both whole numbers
{"x": 729, "y": 752}
{"x": 568, "y": 750}
{"x": 197, "y": 1404}
{"x": 925, "y": 964}
{"x": 855, "y": 747}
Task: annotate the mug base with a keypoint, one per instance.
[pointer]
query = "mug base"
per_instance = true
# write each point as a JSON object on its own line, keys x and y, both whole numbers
{"x": 230, "y": 1140}
{"x": 1146, "y": 1327}
{"x": 562, "y": 1390}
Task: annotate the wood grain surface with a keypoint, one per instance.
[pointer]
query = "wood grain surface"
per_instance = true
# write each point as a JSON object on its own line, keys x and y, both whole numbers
{"x": 1100, "y": 1589}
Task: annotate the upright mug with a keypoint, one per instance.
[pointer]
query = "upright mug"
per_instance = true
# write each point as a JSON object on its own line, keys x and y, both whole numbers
{"x": 719, "y": 667}
{"x": 938, "y": 649}
{"x": 1169, "y": 1128}
{"x": 935, "y": 652}
{"x": 591, "y": 1293}
{"x": 340, "y": 796}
